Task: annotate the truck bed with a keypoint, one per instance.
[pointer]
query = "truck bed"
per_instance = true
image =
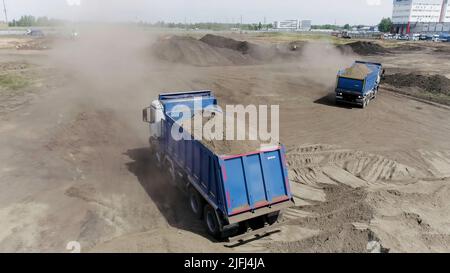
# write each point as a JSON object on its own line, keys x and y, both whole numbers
{"x": 240, "y": 185}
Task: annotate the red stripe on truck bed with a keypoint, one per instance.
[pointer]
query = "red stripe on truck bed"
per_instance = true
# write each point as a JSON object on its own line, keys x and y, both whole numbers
{"x": 251, "y": 153}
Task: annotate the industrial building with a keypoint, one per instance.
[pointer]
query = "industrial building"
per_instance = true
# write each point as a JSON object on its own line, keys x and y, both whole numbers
{"x": 293, "y": 25}
{"x": 418, "y": 16}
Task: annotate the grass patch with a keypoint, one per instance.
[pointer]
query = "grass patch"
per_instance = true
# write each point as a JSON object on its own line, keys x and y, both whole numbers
{"x": 289, "y": 37}
{"x": 13, "y": 82}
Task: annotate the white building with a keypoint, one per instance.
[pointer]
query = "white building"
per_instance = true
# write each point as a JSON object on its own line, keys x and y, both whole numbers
{"x": 286, "y": 24}
{"x": 411, "y": 14}
{"x": 304, "y": 25}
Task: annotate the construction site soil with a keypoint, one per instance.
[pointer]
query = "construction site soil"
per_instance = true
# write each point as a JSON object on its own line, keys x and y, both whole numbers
{"x": 75, "y": 163}
{"x": 431, "y": 83}
{"x": 363, "y": 48}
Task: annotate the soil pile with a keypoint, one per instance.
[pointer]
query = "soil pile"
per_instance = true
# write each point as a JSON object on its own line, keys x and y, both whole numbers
{"x": 431, "y": 83}
{"x": 363, "y": 48}
{"x": 223, "y": 42}
{"x": 213, "y": 50}
{"x": 188, "y": 50}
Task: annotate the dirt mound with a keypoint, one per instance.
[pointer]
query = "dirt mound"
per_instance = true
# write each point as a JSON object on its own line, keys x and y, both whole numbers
{"x": 363, "y": 48}
{"x": 431, "y": 83}
{"x": 188, "y": 50}
{"x": 213, "y": 50}
{"x": 223, "y": 42}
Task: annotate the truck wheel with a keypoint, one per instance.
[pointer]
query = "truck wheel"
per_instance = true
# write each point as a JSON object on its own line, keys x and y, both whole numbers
{"x": 364, "y": 104}
{"x": 211, "y": 222}
{"x": 196, "y": 202}
{"x": 172, "y": 172}
{"x": 157, "y": 159}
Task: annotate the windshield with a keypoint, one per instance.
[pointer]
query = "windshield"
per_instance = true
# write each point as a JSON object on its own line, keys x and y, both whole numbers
{"x": 350, "y": 84}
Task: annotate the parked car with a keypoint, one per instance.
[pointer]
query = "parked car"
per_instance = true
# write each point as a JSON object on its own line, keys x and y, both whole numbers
{"x": 444, "y": 37}
{"x": 436, "y": 38}
{"x": 415, "y": 37}
{"x": 388, "y": 36}
{"x": 35, "y": 33}
{"x": 424, "y": 37}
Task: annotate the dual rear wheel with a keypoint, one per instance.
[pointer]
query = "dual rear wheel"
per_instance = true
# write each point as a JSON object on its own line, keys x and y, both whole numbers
{"x": 205, "y": 211}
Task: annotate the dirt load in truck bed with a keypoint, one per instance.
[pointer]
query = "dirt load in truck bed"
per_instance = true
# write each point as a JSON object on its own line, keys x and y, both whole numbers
{"x": 357, "y": 71}
{"x": 215, "y": 140}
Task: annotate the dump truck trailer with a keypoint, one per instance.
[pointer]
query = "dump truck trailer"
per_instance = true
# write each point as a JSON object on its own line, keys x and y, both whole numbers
{"x": 359, "y": 83}
{"x": 244, "y": 191}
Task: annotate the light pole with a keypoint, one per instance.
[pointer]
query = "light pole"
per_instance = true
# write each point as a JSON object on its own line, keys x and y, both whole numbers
{"x": 6, "y": 13}
{"x": 73, "y": 4}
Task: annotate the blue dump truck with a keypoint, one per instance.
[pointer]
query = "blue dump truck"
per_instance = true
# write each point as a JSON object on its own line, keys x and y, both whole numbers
{"x": 236, "y": 194}
{"x": 359, "y": 83}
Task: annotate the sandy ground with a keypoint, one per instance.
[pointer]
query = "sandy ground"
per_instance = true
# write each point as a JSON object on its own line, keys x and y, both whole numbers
{"x": 74, "y": 164}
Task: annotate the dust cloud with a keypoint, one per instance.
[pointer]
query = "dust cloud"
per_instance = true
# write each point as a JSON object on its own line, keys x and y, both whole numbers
{"x": 321, "y": 61}
{"x": 110, "y": 66}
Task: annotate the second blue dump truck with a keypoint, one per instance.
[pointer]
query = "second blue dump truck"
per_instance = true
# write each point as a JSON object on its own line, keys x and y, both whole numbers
{"x": 359, "y": 83}
{"x": 243, "y": 191}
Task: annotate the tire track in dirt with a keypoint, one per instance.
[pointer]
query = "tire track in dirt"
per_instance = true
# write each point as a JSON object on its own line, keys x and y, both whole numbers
{"x": 365, "y": 200}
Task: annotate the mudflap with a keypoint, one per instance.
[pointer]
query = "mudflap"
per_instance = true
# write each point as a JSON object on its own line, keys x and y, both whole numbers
{"x": 254, "y": 235}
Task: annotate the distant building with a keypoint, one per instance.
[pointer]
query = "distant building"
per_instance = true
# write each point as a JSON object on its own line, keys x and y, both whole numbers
{"x": 413, "y": 16}
{"x": 286, "y": 24}
{"x": 305, "y": 25}
{"x": 294, "y": 25}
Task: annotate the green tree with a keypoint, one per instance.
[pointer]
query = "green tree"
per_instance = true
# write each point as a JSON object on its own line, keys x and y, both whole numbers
{"x": 385, "y": 25}
{"x": 347, "y": 26}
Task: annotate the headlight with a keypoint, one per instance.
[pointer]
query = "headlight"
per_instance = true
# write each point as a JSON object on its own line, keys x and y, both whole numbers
{"x": 360, "y": 97}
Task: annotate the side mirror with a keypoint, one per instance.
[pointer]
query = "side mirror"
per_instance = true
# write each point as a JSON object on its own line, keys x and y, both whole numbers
{"x": 145, "y": 113}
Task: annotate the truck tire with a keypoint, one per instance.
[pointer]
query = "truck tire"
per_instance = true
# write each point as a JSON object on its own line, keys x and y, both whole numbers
{"x": 211, "y": 222}
{"x": 172, "y": 172}
{"x": 157, "y": 158}
{"x": 196, "y": 203}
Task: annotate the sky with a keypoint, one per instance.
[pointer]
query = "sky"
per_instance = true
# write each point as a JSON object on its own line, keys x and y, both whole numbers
{"x": 229, "y": 11}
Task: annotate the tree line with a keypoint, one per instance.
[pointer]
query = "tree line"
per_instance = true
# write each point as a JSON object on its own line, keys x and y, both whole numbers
{"x": 384, "y": 26}
{"x": 31, "y": 21}
{"x": 209, "y": 26}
